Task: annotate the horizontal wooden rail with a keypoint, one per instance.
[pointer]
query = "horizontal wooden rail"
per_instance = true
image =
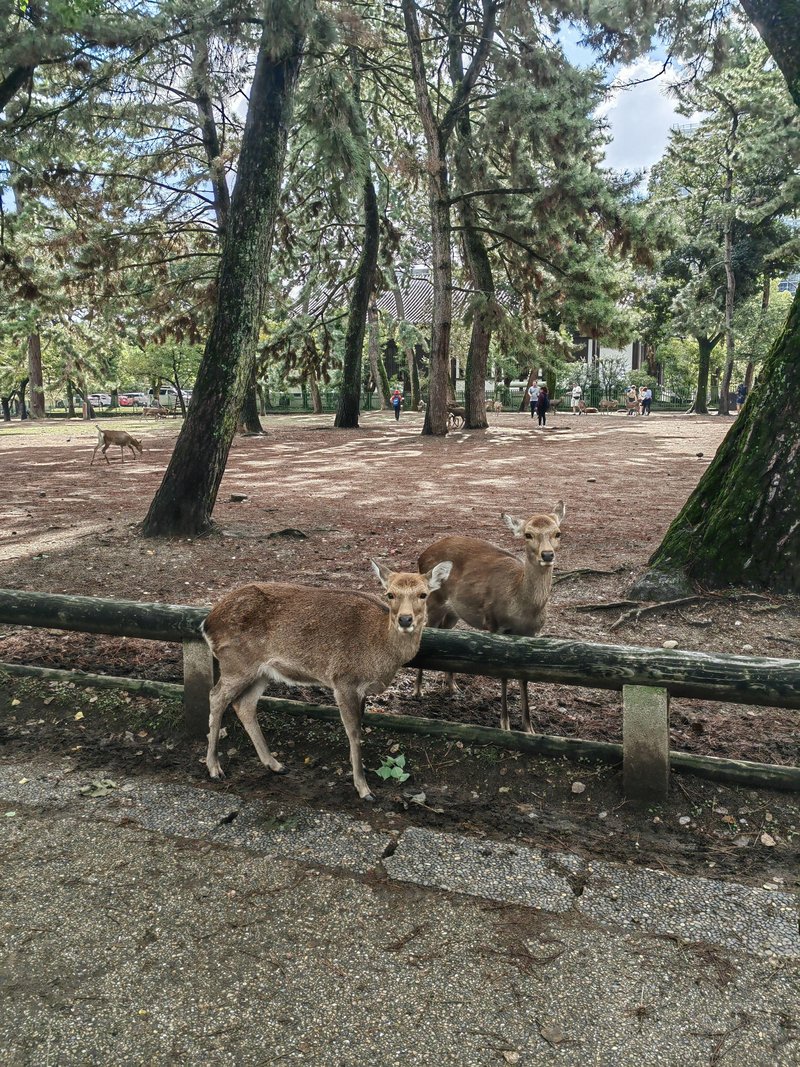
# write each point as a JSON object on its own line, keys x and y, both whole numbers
{"x": 706, "y": 676}
{"x": 718, "y": 769}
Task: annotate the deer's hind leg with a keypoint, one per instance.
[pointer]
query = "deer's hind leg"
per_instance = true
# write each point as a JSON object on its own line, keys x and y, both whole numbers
{"x": 221, "y": 695}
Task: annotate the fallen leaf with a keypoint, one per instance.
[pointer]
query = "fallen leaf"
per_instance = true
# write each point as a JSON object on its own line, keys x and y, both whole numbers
{"x": 14, "y": 702}
{"x": 768, "y": 840}
{"x": 78, "y": 715}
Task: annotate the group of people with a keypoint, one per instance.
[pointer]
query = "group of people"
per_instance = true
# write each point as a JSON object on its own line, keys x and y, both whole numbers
{"x": 638, "y": 403}
{"x": 539, "y": 399}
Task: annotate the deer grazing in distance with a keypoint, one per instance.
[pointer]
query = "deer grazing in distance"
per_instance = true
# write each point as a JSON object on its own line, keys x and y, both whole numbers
{"x": 115, "y": 437}
{"x": 492, "y": 589}
{"x": 351, "y": 642}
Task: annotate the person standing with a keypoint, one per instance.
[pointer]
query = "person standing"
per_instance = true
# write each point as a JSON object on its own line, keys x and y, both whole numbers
{"x": 397, "y": 403}
{"x": 542, "y": 405}
{"x": 741, "y": 396}
{"x": 647, "y": 400}
{"x": 575, "y": 402}
{"x": 533, "y": 396}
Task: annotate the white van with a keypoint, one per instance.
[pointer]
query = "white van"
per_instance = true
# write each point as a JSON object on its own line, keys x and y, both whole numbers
{"x": 168, "y": 397}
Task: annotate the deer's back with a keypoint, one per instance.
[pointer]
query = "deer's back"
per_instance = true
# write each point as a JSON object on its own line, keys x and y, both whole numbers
{"x": 486, "y": 587}
{"x": 313, "y": 634}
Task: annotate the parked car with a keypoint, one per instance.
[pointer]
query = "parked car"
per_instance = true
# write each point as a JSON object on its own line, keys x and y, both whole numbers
{"x": 129, "y": 400}
{"x": 168, "y": 397}
{"x": 100, "y": 400}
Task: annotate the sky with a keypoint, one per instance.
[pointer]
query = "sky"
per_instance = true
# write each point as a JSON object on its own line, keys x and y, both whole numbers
{"x": 640, "y": 118}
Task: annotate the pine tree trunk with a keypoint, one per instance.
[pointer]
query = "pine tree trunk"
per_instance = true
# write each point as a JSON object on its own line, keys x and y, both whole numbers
{"x": 741, "y": 525}
{"x": 250, "y": 419}
{"x": 70, "y": 399}
{"x": 350, "y": 394}
{"x": 730, "y": 277}
{"x": 185, "y": 500}
{"x": 313, "y": 384}
{"x": 35, "y": 376}
{"x": 439, "y": 389}
{"x": 376, "y": 367}
{"x": 411, "y": 361}
{"x": 706, "y": 346}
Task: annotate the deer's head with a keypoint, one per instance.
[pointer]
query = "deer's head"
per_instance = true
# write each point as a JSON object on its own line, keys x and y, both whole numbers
{"x": 406, "y": 593}
{"x": 542, "y": 534}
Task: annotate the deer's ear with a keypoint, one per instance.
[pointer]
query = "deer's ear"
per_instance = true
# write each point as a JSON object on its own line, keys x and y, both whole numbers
{"x": 516, "y": 526}
{"x": 559, "y": 511}
{"x": 439, "y": 574}
{"x": 382, "y": 571}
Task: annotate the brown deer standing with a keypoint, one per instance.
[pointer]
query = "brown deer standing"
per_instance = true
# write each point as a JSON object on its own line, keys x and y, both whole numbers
{"x": 353, "y": 643}
{"x": 115, "y": 437}
{"x": 492, "y": 589}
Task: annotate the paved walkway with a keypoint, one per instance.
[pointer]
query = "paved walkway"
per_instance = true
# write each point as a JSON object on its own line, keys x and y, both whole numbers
{"x": 161, "y": 924}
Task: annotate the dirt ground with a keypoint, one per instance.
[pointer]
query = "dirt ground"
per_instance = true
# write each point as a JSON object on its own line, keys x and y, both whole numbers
{"x": 319, "y": 503}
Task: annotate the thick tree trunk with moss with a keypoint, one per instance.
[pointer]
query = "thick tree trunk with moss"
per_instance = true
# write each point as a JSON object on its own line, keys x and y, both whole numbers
{"x": 250, "y": 419}
{"x": 350, "y": 394}
{"x": 184, "y": 502}
{"x": 741, "y": 525}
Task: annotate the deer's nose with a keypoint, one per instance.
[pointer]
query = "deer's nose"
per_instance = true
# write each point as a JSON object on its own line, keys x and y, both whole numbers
{"x": 548, "y": 557}
{"x": 404, "y": 621}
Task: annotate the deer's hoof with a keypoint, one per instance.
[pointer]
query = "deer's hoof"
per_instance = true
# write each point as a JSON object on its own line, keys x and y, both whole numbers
{"x": 369, "y": 798}
{"x": 216, "y": 773}
{"x": 280, "y": 769}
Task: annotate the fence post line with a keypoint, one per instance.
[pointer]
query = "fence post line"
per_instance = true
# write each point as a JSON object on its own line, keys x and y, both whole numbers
{"x": 198, "y": 679}
{"x": 645, "y": 744}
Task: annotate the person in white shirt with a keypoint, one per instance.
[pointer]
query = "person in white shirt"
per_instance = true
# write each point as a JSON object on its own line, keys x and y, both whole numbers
{"x": 575, "y": 403}
{"x": 533, "y": 396}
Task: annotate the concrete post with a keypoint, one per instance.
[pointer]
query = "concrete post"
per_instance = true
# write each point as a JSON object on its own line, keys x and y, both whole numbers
{"x": 198, "y": 679}
{"x": 645, "y": 743}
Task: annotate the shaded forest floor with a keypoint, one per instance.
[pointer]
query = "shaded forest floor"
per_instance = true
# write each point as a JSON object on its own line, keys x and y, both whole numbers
{"x": 319, "y": 503}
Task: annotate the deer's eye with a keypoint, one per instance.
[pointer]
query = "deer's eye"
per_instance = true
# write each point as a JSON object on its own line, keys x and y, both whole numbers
{"x": 528, "y": 536}
{"x": 556, "y": 535}
{"x": 423, "y": 596}
{"x": 390, "y": 596}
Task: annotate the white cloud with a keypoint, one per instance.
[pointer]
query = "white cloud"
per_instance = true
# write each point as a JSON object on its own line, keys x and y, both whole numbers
{"x": 639, "y": 117}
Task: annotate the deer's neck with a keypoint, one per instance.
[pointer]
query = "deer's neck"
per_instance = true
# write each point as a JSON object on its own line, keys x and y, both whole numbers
{"x": 536, "y": 584}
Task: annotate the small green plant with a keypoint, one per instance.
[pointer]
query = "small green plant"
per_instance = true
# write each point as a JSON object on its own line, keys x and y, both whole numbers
{"x": 393, "y": 767}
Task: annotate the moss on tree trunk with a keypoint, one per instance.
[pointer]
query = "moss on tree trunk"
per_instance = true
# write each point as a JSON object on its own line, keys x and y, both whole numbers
{"x": 741, "y": 525}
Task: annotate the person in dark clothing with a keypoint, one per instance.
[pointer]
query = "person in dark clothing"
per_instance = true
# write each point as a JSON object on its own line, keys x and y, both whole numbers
{"x": 542, "y": 405}
{"x": 741, "y": 396}
{"x": 397, "y": 403}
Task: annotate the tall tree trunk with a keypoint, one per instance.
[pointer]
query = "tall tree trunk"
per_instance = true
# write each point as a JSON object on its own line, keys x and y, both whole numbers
{"x": 477, "y": 258}
{"x": 70, "y": 399}
{"x": 741, "y": 525}
{"x": 730, "y": 277}
{"x": 706, "y": 346}
{"x": 313, "y": 384}
{"x": 185, "y": 499}
{"x": 377, "y": 371}
{"x": 208, "y": 132}
{"x": 437, "y": 134}
{"x": 350, "y": 394}
{"x": 411, "y": 362}
{"x": 35, "y": 375}
{"x": 250, "y": 419}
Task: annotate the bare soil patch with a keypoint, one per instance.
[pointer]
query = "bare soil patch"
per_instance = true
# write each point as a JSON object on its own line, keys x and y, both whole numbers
{"x": 384, "y": 491}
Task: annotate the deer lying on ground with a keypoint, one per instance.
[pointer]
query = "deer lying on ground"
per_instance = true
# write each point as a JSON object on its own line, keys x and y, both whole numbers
{"x": 491, "y": 589}
{"x": 353, "y": 643}
{"x": 115, "y": 437}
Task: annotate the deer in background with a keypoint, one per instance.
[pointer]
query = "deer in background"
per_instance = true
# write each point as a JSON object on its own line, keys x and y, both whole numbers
{"x": 492, "y": 589}
{"x": 353, "y": 643}
{"x": 115, "y": 437}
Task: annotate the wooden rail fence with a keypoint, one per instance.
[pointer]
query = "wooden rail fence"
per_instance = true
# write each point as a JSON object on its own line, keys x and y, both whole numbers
{"x": 647, "y": 677}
